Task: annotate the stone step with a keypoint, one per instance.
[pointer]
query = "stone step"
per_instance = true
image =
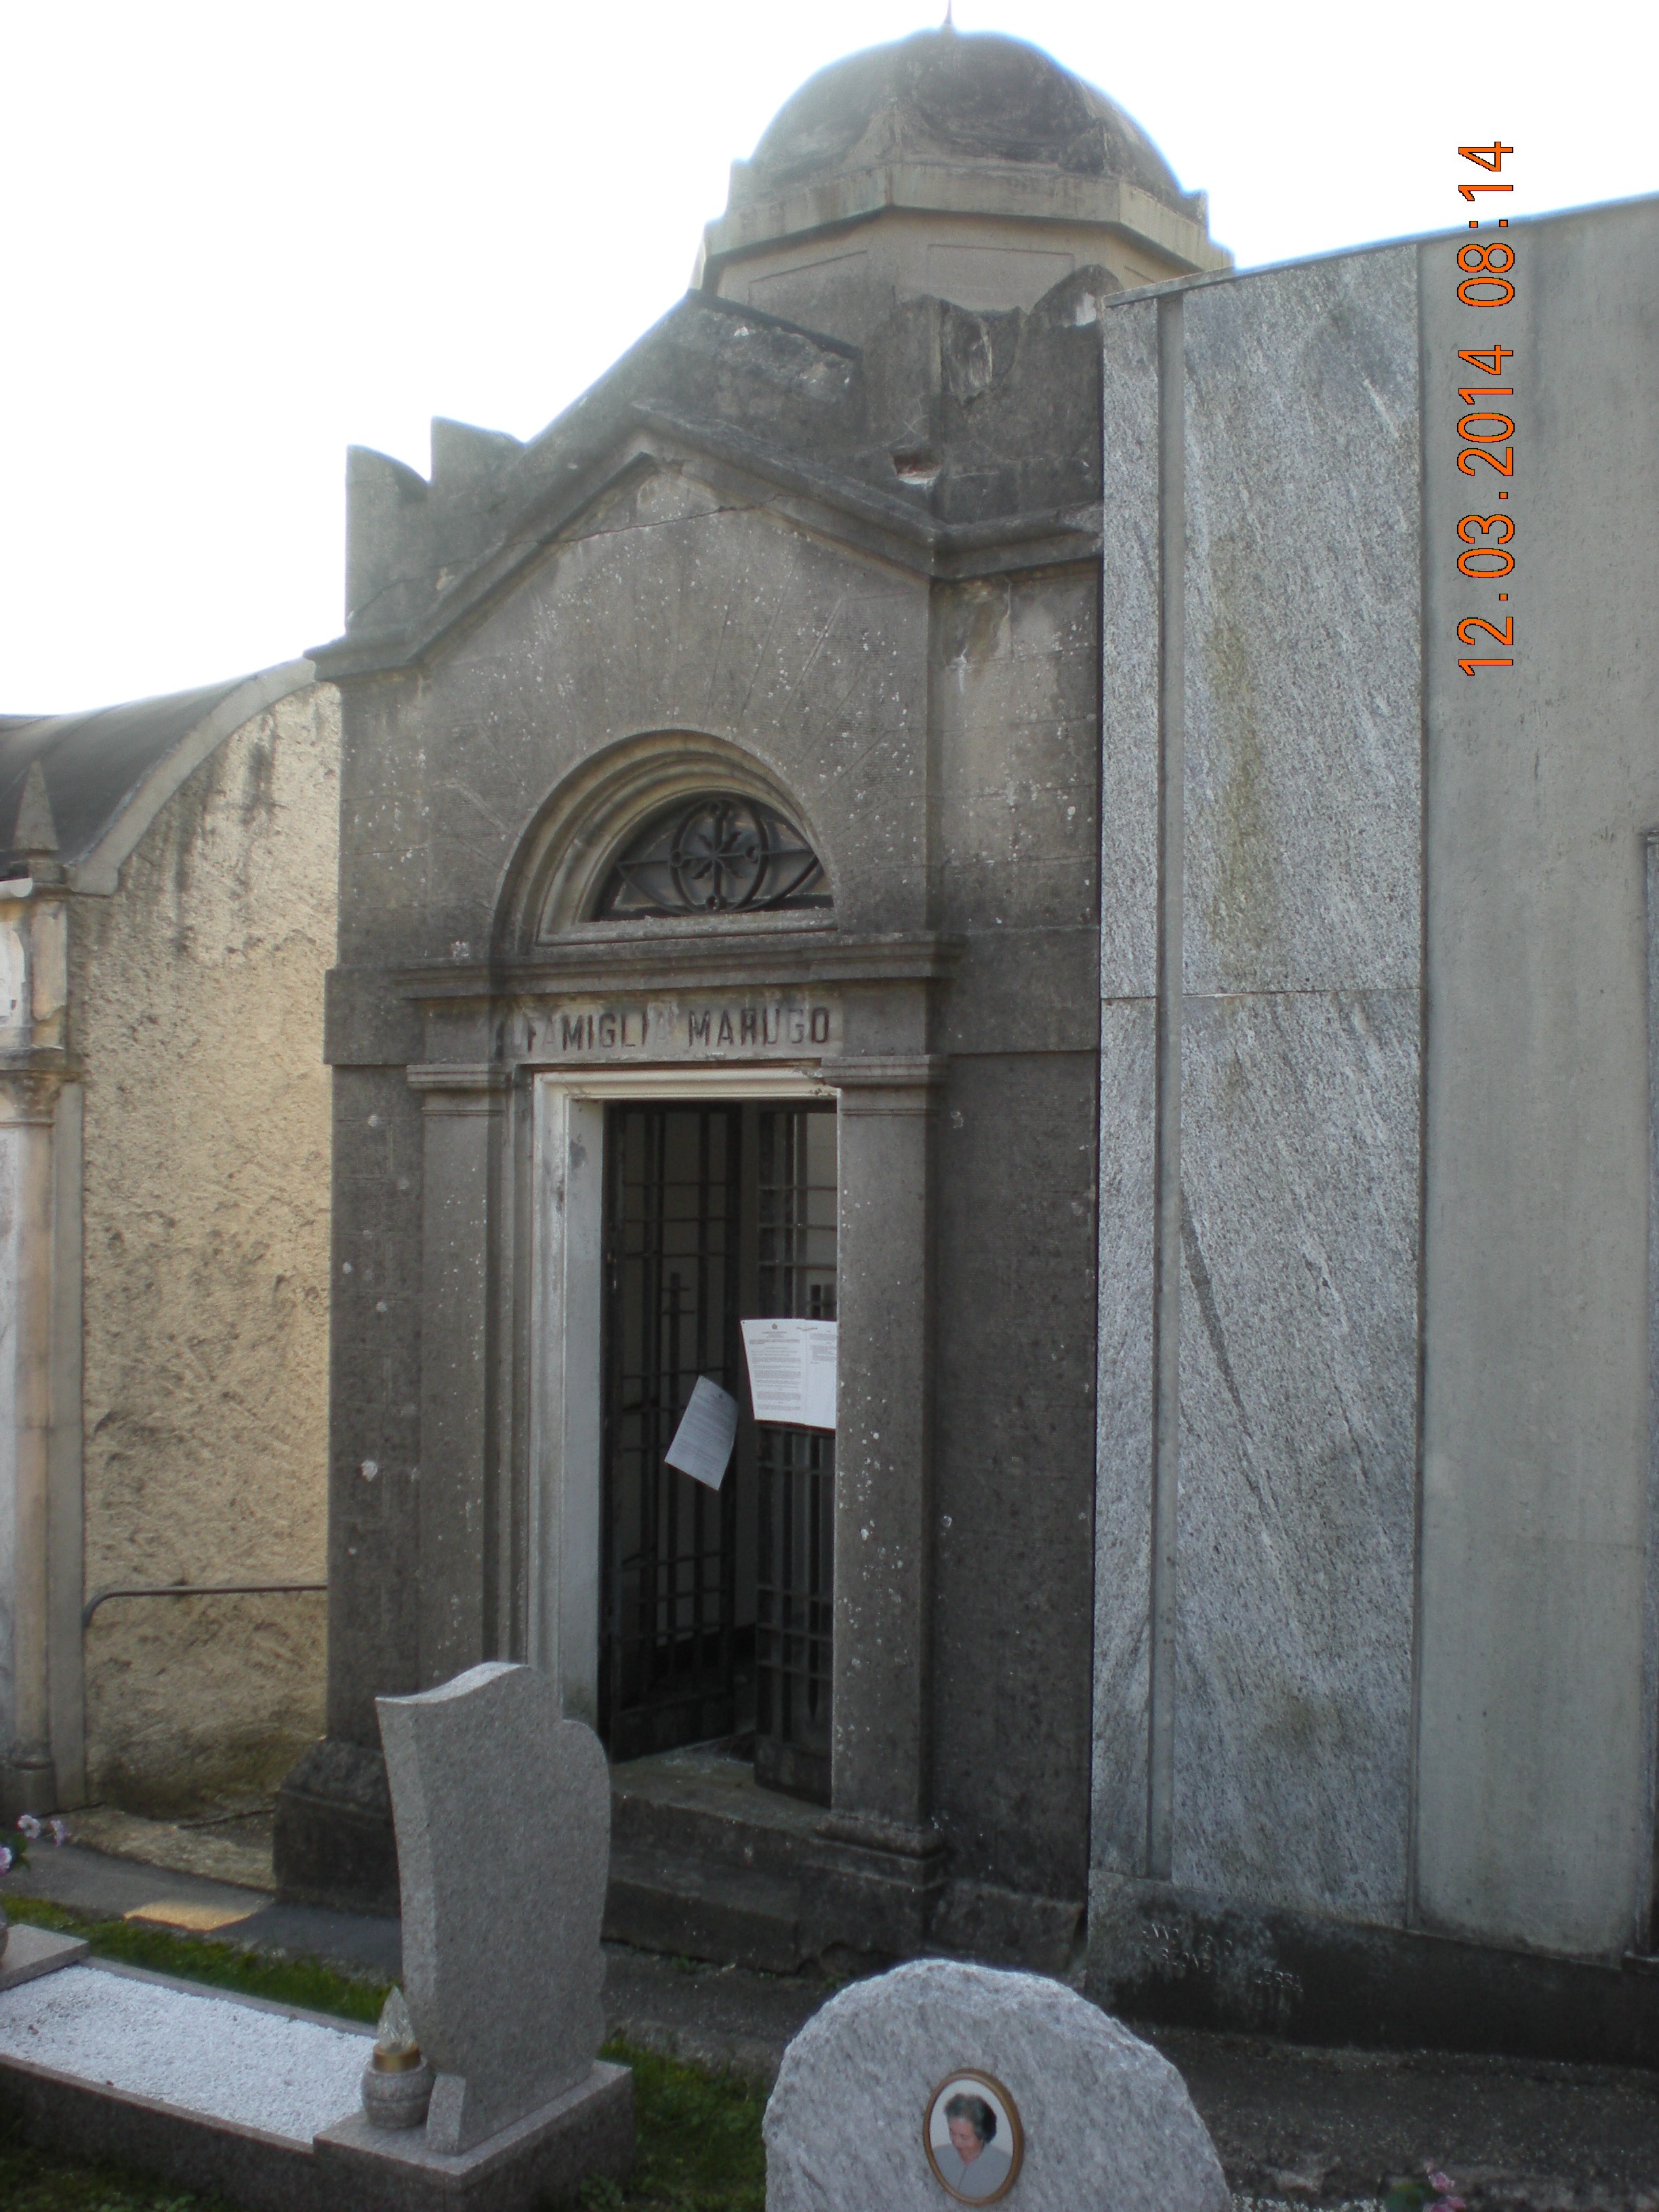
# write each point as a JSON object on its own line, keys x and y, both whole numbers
{"x": 696, "y": 1909}
{"x": 709, "y": 1809}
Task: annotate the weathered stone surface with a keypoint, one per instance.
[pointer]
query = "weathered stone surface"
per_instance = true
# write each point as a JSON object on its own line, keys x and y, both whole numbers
{"x": 1129, "y": 652}
{"x": 501, "y": 1961}
{"x": 1123, "y": 1461}
{"x": 1303, "y": 739}
{"x": 1107, "y": 2122}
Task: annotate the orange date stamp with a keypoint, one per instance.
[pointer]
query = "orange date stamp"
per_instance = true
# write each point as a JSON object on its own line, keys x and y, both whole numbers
{"x": 1486, "y": 279}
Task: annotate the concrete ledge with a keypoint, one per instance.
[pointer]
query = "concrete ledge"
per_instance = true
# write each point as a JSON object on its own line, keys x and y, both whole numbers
{"x": 543, "y": 2159}
{"x": 265, "y": 2172}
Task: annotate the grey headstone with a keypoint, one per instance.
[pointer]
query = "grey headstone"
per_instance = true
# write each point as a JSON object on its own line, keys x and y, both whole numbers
{"x": 1106, "y": 2123}
{"x": 502, "y": 1812}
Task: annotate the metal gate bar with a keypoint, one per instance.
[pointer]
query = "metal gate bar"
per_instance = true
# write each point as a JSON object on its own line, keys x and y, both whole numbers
{"x": 795, "y": 1598}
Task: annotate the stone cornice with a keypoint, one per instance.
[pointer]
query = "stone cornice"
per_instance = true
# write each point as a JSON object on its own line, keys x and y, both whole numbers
{"x": 617, "y": 966}
{"x": 1020, "y": 194}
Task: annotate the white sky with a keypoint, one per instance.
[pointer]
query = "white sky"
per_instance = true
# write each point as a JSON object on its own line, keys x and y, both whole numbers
{"x": 238, "y": 236}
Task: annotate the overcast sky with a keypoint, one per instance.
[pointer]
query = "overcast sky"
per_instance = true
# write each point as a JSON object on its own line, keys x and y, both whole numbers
{"x": 239, "y": 237}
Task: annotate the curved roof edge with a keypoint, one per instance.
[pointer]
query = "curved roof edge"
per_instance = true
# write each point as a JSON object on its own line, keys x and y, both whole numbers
{"x": 109, "y": 773}
{"x": 99, "y": 872}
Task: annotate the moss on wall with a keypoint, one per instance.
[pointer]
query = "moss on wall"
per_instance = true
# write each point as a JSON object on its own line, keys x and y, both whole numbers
{"x": 196, "y": 997}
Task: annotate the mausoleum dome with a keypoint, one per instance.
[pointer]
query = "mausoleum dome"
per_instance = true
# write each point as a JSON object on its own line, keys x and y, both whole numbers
{"x": 971, "y": 167}
{"x": 982, "y": 97}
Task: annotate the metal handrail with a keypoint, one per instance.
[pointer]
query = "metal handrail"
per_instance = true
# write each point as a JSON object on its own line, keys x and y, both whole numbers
{"x": 188, "y": 1589}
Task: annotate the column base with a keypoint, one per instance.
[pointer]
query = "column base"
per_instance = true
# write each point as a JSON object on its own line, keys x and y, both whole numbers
{"x": 29, "y": 1784}
{"x": 873, "y": 1885}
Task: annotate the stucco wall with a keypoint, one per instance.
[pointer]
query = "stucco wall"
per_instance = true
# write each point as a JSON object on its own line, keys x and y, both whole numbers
{"x": 197, "y": 994}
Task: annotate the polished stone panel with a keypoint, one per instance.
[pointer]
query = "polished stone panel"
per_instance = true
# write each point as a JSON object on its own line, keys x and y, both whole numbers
{"x": 1298, "y": 1357}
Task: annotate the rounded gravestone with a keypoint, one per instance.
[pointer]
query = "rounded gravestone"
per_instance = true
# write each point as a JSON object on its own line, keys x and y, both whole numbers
{"x": 1057, "y": 2107}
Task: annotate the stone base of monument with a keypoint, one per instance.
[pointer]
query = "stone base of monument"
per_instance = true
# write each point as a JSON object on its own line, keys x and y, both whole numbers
{"x": 261, "y": 2102}
{"x": 543, "y": 2159}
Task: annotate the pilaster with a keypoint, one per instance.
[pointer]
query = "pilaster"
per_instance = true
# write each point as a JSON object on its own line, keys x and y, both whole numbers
{"x": 880, "y": 1803}
{"x": 463, "y": 1108}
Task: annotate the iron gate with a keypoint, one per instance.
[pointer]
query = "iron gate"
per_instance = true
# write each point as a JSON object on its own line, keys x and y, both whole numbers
{"x": 717, "y": 1606}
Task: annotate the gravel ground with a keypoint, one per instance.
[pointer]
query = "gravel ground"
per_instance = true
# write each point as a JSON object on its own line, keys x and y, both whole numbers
{"x": 245, "y": 2063}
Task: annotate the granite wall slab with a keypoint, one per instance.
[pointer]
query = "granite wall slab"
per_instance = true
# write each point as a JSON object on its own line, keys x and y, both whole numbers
{"x": 1298, "y": 1349}
{"x": 1539, "y": 1702}
{"x": 1260, "y": 1078}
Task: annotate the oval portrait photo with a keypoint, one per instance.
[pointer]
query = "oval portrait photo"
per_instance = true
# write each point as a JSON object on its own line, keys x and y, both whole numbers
{"x": 973, "y": 2137}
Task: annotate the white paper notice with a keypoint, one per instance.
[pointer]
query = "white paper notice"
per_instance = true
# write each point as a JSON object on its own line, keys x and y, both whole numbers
{"x": 703, "y": 1443}
{"x": 791, "y": 1371}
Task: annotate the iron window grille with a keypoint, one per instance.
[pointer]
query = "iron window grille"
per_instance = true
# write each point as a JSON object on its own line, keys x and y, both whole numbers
{"x": 716, "y": 854}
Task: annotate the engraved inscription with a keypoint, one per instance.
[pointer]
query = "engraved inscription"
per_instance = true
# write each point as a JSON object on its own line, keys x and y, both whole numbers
{"x": 691, "y": 1029}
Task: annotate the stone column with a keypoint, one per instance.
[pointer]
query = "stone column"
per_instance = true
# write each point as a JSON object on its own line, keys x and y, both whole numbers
{"x": 457, "y": 1503}
{"x": 883, "y": 1555}
{"x": 27, "y": 1106}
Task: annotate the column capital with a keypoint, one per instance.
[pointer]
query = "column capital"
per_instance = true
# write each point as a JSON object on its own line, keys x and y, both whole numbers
{"x": 459, "y": 1086}
{"x": 886, "y": 1083}
{"x": 28, "y": 1092}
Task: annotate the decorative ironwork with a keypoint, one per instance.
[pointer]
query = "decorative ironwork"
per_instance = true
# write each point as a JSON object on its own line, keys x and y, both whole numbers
{"x": 716, "y": 854}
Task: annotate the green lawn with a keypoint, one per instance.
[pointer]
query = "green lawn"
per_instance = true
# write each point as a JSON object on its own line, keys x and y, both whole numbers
{"x": 699, "y": 2141}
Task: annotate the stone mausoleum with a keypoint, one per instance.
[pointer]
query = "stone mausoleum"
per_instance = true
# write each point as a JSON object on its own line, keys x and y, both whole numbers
{"x": 942, "y": 796}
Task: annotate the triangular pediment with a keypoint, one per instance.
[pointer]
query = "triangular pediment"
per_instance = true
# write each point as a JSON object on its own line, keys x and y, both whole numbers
{"x": 427, "y": 558}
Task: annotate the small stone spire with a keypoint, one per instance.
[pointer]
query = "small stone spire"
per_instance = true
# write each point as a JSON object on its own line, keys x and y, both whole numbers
{"x": 36, "y": 833}
{"x": 33, "y": 857}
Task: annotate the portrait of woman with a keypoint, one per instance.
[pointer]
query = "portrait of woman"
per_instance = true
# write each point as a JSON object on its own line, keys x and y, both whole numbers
{"x": 973, "y": 2136}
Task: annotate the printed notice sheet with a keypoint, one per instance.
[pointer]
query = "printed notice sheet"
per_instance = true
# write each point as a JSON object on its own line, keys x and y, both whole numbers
{"x": 791, "y": 1371}
{"x": 703, "y": 1443}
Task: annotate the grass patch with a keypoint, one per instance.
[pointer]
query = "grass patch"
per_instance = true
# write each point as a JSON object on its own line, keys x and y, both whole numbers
{"x": 40, "y": 2181}
{"x": 697, "y": 2141}
{"x": 307, "y": 1983}
{"x": 697, "y": 2134}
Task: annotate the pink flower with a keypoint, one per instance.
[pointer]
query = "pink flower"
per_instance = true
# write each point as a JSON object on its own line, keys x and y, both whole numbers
{"x": 1443, "y": 2182}
{"x": 5, "y": 1860}
{"x": 28, "y": 1826}
{"x": 60, "y": 1833}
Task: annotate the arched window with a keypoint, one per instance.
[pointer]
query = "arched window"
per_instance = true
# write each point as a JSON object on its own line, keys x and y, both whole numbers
{"x": 715, "y": 854}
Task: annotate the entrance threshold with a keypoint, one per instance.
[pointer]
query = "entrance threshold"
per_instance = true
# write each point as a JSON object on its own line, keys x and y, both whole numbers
{"x": 706, "y": 1862}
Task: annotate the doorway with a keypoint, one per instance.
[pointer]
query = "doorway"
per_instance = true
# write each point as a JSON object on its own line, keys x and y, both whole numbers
{"x": 715, "y": 1605}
